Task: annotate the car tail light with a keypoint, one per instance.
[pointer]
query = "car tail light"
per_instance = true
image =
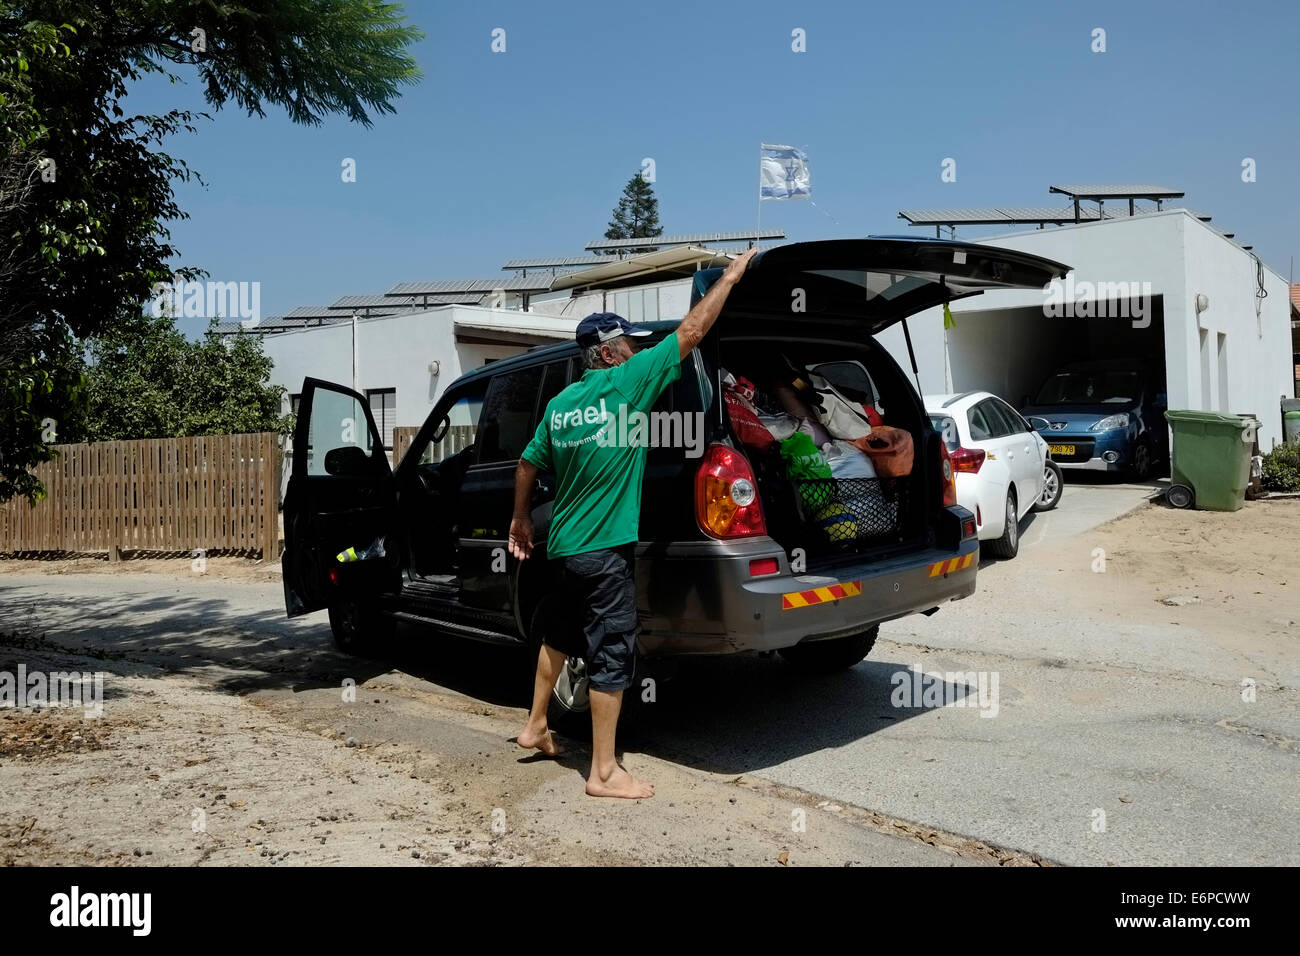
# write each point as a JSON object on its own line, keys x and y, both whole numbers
{"x": 726, "y": 495}
{"x": 334, "y": 576}
{"x": 968, "y": 460}
{"x": 760, "y": 566}
{"x": 947, "y": 477}
{"x": 968, "y": 529}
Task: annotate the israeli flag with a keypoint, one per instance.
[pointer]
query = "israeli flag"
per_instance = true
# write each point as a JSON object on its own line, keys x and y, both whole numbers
{"x": 783, "y": 173}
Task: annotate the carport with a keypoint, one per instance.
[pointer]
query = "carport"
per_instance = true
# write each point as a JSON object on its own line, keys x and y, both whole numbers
{"x": 1011, "y": 351}
{"x": 1210, "y": 315}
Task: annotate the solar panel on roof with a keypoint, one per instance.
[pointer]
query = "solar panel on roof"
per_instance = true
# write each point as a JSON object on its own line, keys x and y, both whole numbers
{"x": 308, "y": 312}
{"x": 1137, "y": 191}
{"x": 511, "y": 284}
{"x": 371, "y": 302}
{"x": 555, "y": 262}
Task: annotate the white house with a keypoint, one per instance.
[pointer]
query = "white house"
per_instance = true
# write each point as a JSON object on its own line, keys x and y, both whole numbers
{"x": 402, "y": 362}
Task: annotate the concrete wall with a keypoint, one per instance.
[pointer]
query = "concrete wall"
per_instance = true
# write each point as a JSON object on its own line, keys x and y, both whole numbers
{"x": 1247, "y": 339}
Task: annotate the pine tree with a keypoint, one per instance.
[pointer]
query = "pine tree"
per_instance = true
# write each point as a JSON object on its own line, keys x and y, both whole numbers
{"x": 637, "y": 214}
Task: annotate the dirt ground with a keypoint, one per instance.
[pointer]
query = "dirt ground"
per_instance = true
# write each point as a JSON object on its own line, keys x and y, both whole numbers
{"x": 176, "y": 773}
{"x": 179, "y": 771}
{"x": 1234, "y": 575}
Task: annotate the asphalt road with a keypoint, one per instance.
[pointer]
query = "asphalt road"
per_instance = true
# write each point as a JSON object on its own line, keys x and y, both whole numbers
{"x": 1112, "y": 743}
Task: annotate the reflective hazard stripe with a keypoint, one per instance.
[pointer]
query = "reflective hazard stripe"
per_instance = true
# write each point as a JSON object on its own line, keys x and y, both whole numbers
{"x": 952, "y": 564}
{"x": 844, "y": 589}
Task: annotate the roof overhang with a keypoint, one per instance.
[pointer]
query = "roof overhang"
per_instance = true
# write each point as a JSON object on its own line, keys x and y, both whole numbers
{"x": 513, "y": 328}
{"x": 679, "y": 262}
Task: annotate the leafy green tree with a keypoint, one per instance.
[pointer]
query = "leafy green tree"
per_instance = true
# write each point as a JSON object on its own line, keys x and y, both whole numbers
{"x": 637, "y": 214}
{"x": 86, "y": 190}
{"x": 150, "y": 381}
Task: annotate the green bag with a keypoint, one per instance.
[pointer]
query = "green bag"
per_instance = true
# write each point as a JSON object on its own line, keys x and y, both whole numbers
{"x": 802, "y": 459}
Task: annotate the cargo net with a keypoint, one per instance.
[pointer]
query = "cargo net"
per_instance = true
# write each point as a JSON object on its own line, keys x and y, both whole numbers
{"x": 852, "y": 510}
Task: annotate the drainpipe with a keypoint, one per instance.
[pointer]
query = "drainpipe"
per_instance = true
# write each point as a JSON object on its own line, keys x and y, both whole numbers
{"x": 355, "y": 386}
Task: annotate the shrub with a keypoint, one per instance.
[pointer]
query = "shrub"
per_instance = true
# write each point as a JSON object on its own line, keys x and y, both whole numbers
{"x": 1282, "y": 468}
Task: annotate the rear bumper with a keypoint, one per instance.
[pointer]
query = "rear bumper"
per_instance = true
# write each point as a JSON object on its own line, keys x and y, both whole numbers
{"x": 702, "y": 599}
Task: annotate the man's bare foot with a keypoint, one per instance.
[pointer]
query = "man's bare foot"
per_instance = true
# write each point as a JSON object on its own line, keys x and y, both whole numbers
{"x": 542, "y": 740}
{"x": 619, "y": 784}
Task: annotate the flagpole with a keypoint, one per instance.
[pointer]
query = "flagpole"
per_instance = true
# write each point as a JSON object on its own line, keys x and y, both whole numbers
{"x": 758, "y": 229}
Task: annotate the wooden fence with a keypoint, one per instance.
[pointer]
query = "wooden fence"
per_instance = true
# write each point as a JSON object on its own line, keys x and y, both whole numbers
{"x": 219, "y": 492}
{"x": 458, "y": 438}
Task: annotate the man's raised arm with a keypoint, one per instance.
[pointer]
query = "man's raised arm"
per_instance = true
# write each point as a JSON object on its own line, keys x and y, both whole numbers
{"x": 700, "y": 319}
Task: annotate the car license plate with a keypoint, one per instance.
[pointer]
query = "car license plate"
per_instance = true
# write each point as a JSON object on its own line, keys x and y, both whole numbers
{"x": 1061, "y": 449}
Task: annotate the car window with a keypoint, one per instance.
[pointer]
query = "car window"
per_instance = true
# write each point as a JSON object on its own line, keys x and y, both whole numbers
{"x": 1014, "y": 423}
{"x": 851, "y": 378}
{"x": 555, "y": 377}
{"x": 338, "y": 424}
{"x": 947, "y": 429}
{"x": 981, "y": 428}
{"x": 508, "y": 410}
{"x": 462, "y": 423}
{"x": 1100, "y": 387}
{"x": 1000, "y": 427}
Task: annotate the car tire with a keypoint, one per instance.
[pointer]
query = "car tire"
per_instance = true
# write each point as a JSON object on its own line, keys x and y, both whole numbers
{"x": 1139, "y": 468}
{"x": 569, "y": 710}
{"x": 1053, "y": 487}
{"x": 360, "y": 628}
{"x": 826, "y": 657}
{"x": 1007, "y": 546}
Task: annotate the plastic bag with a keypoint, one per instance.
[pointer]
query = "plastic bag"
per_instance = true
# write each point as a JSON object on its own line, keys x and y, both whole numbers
{"x": 841, "y": 417}
{"x": 738, "y": 394}
{"x": 371, "y": 552}
{"x": 847, "y": 460}
{"x": 781, "y": 426}
{"x": 802, "y": 459}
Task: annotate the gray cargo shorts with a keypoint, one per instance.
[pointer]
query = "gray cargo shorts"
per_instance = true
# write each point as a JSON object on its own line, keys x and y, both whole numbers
{"x": 600, "y": 588}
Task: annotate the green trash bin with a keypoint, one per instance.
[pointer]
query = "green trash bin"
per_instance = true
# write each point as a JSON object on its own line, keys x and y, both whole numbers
{"x": 1291, "y": 419}
{"x": 1211, "y": 459}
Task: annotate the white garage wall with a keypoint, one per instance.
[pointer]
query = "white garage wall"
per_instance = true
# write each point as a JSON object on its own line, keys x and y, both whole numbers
{"x": 1256, "y": 342}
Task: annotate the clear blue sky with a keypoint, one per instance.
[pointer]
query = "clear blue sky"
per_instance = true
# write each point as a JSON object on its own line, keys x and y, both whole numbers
{"x": 520, "y": 154}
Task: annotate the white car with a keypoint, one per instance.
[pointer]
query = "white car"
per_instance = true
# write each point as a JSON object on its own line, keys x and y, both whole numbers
{"x": 1002, "y": 466}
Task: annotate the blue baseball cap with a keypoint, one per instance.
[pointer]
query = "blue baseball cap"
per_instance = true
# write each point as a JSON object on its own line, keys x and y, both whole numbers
{"x": 603, "y": 326}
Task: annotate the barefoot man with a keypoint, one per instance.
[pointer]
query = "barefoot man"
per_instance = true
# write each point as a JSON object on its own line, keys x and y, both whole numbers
{"x": 596, "y": 514}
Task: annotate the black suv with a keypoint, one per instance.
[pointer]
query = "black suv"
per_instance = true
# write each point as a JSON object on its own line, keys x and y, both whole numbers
{"x": 734, "y": 554}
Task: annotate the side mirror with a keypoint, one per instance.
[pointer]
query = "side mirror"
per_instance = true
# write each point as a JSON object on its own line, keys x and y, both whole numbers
{"x": 348, "y": 461}
{"x": 1039, "y": 424}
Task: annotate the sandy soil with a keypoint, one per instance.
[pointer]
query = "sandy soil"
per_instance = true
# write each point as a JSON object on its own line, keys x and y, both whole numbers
{"x": 180, "y": 772}
{"x": 176, "y": 773}
{"x": 1232, "y": 575}
{"x": 224, "y": 567}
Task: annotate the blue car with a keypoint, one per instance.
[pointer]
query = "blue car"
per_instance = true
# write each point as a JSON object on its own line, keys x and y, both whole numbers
{"x": 1103, "y": 415}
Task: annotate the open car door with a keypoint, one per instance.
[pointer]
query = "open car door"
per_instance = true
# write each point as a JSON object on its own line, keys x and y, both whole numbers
{"x": 340, "y": 497}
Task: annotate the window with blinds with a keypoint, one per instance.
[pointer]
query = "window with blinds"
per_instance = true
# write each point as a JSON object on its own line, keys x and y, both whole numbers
{"x": 383, "y": 407}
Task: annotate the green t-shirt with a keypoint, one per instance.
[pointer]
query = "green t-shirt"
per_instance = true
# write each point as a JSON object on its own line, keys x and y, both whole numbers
{"x": 598, "y": 472}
